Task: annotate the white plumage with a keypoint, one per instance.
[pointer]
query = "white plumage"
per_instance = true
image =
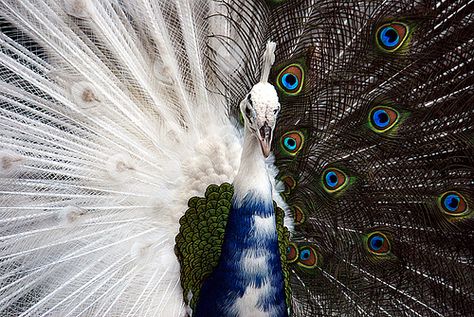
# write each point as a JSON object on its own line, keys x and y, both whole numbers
{"x": 105, "y": 136}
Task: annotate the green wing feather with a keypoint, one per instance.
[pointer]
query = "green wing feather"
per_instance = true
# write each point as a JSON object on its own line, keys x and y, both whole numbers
{"x": 201, "y": 235}
{"x": 283, "y": 242}
{"x": 200, "y": 238}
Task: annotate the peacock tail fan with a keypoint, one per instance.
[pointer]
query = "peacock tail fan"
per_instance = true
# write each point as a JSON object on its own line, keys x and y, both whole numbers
{"x": 113, "y": 114}
{"x": 375, "y": 146}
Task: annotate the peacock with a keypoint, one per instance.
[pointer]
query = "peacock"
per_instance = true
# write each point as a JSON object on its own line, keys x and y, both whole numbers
{"x": 236, "y": 158}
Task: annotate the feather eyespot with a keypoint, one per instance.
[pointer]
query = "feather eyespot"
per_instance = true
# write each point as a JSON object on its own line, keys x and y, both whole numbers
{"x": 383, "y": 118}
{"x": 334, "y": 179}
{"x": 391, "y": 36}
{"x": 378, "y": 243}
{"x": 292, "y": 142}
{"x": 290, "y": 184}
{"x": 453, "y": 203}
{"x": 298, "y": 215}
{"x": 308, "y": 257}
{"x": 290, "y": 79}
{"x": 291, "y": 253}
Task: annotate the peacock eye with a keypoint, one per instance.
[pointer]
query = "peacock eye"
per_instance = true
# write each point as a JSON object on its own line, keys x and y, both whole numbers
{"x": 378, "y": 243}
{"x": 453, "y": 203}
{"x": 247, "y": 111}
{"x": 308, "y": 257}
{"x": 292, "y": 142}
{"x": 334, "y": 179}
{"x": 383, "y": 118}
{"x": 391, "y": 36}
{"x": 291, "y": 253}
{"x": 290, "y": 79}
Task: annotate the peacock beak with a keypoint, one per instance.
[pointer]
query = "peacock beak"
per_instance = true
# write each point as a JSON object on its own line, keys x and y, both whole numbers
{"x": 265, "y": 139}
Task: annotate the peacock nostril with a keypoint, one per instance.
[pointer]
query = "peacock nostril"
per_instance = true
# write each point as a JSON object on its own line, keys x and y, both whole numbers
{"x": 265, "y": 131}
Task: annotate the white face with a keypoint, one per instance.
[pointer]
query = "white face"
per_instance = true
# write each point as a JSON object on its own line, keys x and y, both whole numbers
{"x": 260, "y": 109}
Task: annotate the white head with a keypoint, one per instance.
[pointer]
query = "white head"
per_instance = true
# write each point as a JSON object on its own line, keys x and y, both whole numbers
{"x": 260, "y": 109}
{"x": 261, "y": 106}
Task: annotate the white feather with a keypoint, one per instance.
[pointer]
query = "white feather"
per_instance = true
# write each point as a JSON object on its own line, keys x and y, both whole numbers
{"x": 98, "y": 162}
{"x": 109, "y": 132}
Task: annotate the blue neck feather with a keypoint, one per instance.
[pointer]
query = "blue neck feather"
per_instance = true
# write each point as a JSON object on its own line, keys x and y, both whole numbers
{"x": 248, "y": 279}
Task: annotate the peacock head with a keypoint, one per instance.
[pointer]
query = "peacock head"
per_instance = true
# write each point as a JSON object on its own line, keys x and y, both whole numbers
{"x": 261, "y": 106}
{"x": 260, "y": 109}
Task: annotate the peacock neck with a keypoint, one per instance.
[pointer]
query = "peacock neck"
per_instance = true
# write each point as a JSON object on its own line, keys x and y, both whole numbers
{"x": 252, "y": 176}
{"x": 248, "y": 280}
